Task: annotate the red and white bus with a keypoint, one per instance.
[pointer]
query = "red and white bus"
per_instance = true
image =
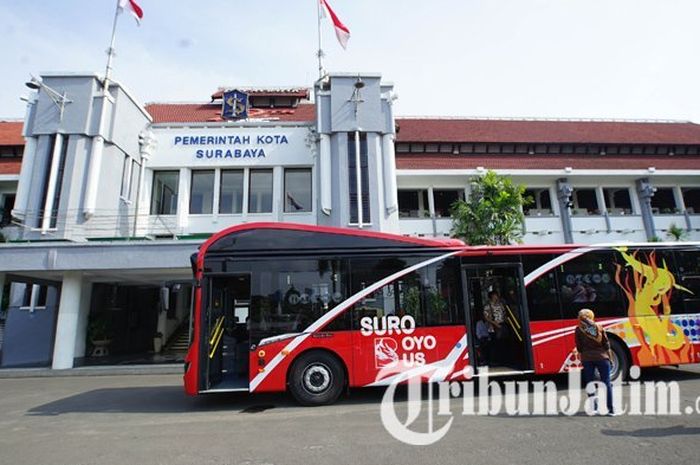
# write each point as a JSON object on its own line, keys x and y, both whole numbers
{"x": 317, "y": 310}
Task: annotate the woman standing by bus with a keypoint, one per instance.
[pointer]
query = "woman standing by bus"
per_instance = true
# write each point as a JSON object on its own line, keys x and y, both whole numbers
{"x": 594, "y": 349}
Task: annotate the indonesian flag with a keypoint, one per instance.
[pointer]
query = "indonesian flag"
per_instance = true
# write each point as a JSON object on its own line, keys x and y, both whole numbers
{"x": 132, "y": 7}
{"x": 341, "y": 31}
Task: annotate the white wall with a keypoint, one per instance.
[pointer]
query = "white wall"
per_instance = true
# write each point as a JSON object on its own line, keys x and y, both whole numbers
{"x": 587, "y": 229}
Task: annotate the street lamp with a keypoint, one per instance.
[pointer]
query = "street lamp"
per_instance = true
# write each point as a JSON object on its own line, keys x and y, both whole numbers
{"x": 60, "y": 100}
{"x": 356, "y": 98}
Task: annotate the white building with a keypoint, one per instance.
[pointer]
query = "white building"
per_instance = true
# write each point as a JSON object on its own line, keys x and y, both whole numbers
{"x": 591, "y": 181}
{"x": 113, "y": 196}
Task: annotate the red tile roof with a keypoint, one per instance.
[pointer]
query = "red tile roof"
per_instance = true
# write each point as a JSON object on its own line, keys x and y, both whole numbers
{"x": 11, "y": 133}
{"x": 10, "y": 166}
{"x": 300, "y": 92}
{"x": 211, "y": 112}
{"x": 445, "y": 161}
{"x": 541, "y": 131}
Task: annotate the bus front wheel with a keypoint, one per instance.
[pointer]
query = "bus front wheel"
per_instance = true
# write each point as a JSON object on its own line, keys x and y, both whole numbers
{"x": 316, "y": 378}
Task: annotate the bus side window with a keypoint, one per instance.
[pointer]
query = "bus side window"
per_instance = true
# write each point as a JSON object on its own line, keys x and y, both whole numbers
{"x": 588, "y": 281}
{"x": 688, "y": 277}
{"x": 442, "y": 289}
{"x": 542, "y": 295}
{"x": 288, "y": 295}
{"x": 396, "y": 298}
{"x": 430, "y": 295}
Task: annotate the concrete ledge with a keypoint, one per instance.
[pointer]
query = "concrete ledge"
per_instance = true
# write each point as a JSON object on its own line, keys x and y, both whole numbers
{"x": 109, "y": 370}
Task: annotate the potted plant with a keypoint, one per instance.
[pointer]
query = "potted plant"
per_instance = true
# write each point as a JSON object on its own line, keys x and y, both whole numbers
{"x": 99, "y": 336}
{"x": 157, "y": 342}
{"x": 676, "y": 232}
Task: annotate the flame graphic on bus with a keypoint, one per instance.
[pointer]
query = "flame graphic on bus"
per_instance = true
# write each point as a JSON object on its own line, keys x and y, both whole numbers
{"x": 648, "y": 288}
{"x": 385, "y": 352}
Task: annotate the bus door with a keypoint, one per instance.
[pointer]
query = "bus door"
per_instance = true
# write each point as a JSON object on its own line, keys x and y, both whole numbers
{"x": 227, "y": 336}
{"x": 497, "y": 317}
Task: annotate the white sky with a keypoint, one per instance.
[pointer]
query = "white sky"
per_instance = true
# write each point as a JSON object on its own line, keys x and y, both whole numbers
{"x": 543, "y": 58}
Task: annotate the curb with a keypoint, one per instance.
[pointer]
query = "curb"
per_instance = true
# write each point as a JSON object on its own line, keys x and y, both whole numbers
{"x": 112, "y": 370}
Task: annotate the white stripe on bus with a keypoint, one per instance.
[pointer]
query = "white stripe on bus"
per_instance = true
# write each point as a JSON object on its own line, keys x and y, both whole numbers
{"x": 571, "y": 329}
{"x": 337, "y": 310}
{"x": 533, "y": 275}
{"x": 566, "y": 328}
{"x": 449, "y": 362}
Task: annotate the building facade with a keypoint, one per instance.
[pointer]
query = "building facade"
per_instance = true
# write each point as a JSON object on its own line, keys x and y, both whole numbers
{"x": 114, "y": 196}
{"x": 590, "y": 181}
{"x": 11, "y": 148}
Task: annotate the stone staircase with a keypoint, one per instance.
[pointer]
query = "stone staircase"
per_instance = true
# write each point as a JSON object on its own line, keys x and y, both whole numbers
{"x": 179, "y": 341}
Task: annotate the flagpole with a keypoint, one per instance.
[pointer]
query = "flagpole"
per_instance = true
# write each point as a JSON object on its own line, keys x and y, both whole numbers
{"x": 98, "y": 140}
{"x": 320, "y": 48}
{"x": 110, "y": 50}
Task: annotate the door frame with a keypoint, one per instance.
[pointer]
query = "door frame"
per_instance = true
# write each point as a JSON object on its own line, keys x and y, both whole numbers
{"x": 207, "y": 286}
{"x": 524, "y": 311}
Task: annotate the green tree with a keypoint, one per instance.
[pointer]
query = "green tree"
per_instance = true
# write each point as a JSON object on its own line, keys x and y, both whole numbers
{"x": 493, "y": 213}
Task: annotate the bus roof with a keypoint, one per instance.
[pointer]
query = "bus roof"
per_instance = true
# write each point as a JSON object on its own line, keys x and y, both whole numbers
{"x": 418, "y": 241}
{"x": 443, "y": 243}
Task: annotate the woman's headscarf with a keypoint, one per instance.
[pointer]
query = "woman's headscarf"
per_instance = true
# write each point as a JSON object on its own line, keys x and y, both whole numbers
{"x": 586, "y": 314}
{"x": 586, "y": 319}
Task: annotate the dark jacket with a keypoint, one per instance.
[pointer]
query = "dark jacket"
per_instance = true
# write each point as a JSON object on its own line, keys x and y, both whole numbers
{"x": 591, "y": 350}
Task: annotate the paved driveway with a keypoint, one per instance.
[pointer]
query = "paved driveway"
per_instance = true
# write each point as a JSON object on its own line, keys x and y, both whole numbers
{"x": 147, "y": 419}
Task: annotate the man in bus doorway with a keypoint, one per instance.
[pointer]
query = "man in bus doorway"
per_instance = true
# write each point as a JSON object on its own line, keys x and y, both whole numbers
{"x": 495, "y": 314}
{"x": 593, "y": 347}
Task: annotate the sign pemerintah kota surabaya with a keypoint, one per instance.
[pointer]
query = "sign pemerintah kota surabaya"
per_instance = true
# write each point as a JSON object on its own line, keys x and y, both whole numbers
{"x": 232, "y": 146}
{"x": 192, "y": 147}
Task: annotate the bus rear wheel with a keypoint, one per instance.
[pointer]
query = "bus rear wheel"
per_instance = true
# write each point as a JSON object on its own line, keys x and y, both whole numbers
{"x": 316, "y": 378}
{"x": 619, "y": 363}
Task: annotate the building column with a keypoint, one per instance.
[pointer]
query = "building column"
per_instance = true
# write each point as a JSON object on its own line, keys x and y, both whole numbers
{"x": 603, "y": 208}
{"x": 680, "y": 205}
{"x": 64, "y": 349}
{"x": 142, "y": 208}
{"x": 246, "y": 194}
{"x": 390, "y": 189}
{"x": 431, "y": 209}
{"x": 391, "y": 204}
{"x": 92, "y": 183}
{"x": 278, "y": 193}
{"x": 215, "y": 207}
{"x": 183, "y": 200}
{"x": 325, "y": 174}
{"x": 147, "y": 144}
{"x": 2, "y": 288}
{"x": 645, "y": 191}
{"x": 83, "y": 314}
{"x": 564, "y": 191}
{"x": 51, "y": 183}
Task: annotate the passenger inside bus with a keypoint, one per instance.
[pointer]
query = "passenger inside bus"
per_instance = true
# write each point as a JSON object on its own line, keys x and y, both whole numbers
{"x": 496, "y": 319}
{"x": 484, "y": 339}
